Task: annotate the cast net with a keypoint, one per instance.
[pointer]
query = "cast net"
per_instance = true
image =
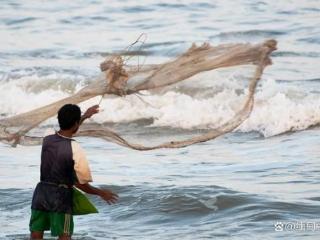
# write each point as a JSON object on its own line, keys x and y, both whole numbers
{"x": 122, "y": 80}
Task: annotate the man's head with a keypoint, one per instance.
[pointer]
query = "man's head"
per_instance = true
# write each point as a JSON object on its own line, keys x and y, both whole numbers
{"x": 69, "y": 117}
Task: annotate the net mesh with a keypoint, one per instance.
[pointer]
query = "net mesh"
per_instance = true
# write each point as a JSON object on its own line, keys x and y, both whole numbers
{"x": 122, "y": 80}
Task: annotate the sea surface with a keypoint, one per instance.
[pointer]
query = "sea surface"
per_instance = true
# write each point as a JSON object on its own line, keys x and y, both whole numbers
{"x": 262, "y": 181}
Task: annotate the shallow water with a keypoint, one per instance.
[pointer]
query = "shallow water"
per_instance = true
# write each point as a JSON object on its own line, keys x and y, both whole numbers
{"x": 235, "y": 187}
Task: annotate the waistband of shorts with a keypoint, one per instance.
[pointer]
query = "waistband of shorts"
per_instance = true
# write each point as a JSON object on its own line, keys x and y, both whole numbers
{"x": 57, "y": 184}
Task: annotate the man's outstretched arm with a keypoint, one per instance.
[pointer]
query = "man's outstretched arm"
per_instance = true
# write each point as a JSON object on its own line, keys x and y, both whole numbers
{"x": 105, "y": 194}
{"x": 90, "y": 111}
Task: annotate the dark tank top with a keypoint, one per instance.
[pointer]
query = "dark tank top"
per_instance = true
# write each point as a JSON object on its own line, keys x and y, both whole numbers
{"x": 54, "y": 191}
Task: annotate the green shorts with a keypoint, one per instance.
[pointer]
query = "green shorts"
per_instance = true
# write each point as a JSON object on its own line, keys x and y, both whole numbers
{"x": 59, "y": 223}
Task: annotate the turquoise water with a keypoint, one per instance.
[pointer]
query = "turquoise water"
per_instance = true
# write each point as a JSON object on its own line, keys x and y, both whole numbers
{"x": 235, "y": 187}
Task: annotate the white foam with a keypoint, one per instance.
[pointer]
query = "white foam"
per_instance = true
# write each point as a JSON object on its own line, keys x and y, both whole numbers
{"x": 277, "y": 108}
{"x": 28, "y": 92}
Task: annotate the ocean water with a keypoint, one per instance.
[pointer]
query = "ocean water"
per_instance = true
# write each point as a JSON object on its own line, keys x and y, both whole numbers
{"x": 260, "y": 181}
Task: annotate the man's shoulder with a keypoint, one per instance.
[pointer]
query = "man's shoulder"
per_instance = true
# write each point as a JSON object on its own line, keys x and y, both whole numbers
{"x": 77, "y": 149}
{"x": 48, "y": 137}
{"x": 76, "y": 145}
{"x": 55, "y": 139}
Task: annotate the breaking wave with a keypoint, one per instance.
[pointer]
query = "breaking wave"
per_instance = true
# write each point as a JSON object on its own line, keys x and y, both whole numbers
{"x": 279, "y": 106}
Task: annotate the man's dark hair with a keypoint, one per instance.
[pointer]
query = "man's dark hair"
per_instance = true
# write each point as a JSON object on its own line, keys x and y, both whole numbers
{"x": 68, "y": 115}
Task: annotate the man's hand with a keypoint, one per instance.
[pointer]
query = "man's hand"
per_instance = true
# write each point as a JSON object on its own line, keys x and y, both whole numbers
{"x": 90, "y": 111}
{"x": 108, "y": 196}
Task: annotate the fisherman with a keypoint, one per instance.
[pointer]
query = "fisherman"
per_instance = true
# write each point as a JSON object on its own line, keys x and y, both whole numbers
{"x": 63, "y": 167}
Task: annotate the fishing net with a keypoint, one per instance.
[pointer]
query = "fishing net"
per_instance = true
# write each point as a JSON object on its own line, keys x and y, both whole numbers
{"x": 123, "y": 80}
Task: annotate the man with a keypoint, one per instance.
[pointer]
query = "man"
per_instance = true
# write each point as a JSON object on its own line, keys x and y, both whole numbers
{"x": 63, "y": 165}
